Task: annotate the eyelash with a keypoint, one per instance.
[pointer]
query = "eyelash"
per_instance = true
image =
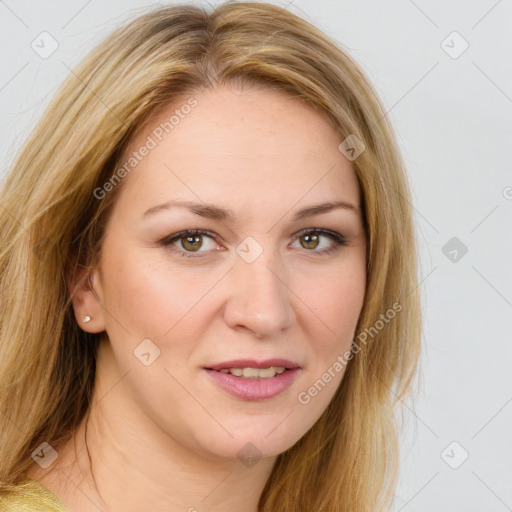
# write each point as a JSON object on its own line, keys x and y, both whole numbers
{"x": 338, "y": 239}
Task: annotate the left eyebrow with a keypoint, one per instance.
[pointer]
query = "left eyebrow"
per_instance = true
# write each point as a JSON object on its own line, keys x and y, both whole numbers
{"x": 318, "y": 209}
{"x": 214, "y": 212}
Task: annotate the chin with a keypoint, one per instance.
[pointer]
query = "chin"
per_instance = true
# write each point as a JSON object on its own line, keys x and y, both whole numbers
{"x": 260, "y": 439}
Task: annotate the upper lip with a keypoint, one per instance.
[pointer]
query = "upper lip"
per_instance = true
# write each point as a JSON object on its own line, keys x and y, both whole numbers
{"x": 252, "y": 363}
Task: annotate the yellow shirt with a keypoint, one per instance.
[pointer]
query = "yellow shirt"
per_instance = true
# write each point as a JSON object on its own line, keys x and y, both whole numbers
{"x": 31, "y": 496}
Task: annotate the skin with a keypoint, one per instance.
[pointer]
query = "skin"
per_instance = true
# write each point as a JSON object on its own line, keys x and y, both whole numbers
{"x": 164, "y": 436}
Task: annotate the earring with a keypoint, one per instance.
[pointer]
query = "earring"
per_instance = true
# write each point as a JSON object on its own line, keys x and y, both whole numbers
{"x": 87, "y": 319}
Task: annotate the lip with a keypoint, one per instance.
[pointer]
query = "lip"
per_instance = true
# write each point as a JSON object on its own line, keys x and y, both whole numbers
{"x": 254, "y": 389}
{"x": 252, "y": 363}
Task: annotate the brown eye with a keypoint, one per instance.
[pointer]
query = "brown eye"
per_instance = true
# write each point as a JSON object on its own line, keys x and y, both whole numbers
{"x": 191, "y": 243}
{"x": 313, "y": 240}
{"x": 310, "y": 241}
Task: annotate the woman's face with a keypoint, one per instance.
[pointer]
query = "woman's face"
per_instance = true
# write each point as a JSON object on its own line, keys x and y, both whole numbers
{"x": 186, "y": 313}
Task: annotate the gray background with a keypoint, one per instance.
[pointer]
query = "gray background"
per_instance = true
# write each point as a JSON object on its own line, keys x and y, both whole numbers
{"x": 452, "y": 112}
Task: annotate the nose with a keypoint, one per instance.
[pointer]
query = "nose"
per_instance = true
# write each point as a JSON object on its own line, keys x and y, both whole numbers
{"x": 259, "y": 298}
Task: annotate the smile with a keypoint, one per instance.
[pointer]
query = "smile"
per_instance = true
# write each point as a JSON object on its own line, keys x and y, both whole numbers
{"x": 255, "y": 373}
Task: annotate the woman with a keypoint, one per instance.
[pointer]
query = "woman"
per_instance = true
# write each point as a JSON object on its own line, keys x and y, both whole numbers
{"x": 209, "y": 278}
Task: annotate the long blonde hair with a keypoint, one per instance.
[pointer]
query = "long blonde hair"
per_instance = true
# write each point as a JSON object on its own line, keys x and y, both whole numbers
{"x": 51, "y": 224}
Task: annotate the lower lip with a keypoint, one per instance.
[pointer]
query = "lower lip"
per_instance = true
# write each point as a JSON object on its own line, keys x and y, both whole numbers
{"x": 254, "y": 389}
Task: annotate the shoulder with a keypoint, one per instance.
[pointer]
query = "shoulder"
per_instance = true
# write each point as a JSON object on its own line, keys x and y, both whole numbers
{"x": 31, "y": 496}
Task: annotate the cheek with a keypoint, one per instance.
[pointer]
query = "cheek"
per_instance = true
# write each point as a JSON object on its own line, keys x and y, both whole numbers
{"x": 332, "y": 316}
{"x": 151, "y": 296}
{"x": 334, "y": 303}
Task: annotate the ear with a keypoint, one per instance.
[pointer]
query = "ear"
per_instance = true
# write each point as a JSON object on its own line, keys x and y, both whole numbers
{"x": 85, "y": 292}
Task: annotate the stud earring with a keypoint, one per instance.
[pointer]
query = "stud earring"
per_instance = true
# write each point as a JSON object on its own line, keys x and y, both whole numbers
{"x": 87, "y": 319}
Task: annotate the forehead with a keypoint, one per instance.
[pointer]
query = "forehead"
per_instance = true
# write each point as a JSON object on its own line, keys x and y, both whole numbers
{"x": 254, "y": 143}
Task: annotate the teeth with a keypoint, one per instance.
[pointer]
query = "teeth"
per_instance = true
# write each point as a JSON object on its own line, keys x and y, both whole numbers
{"x": 255, "y": 373}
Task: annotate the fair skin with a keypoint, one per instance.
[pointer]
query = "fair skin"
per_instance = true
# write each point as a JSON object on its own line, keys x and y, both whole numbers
{"x": 165, "y": 436}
